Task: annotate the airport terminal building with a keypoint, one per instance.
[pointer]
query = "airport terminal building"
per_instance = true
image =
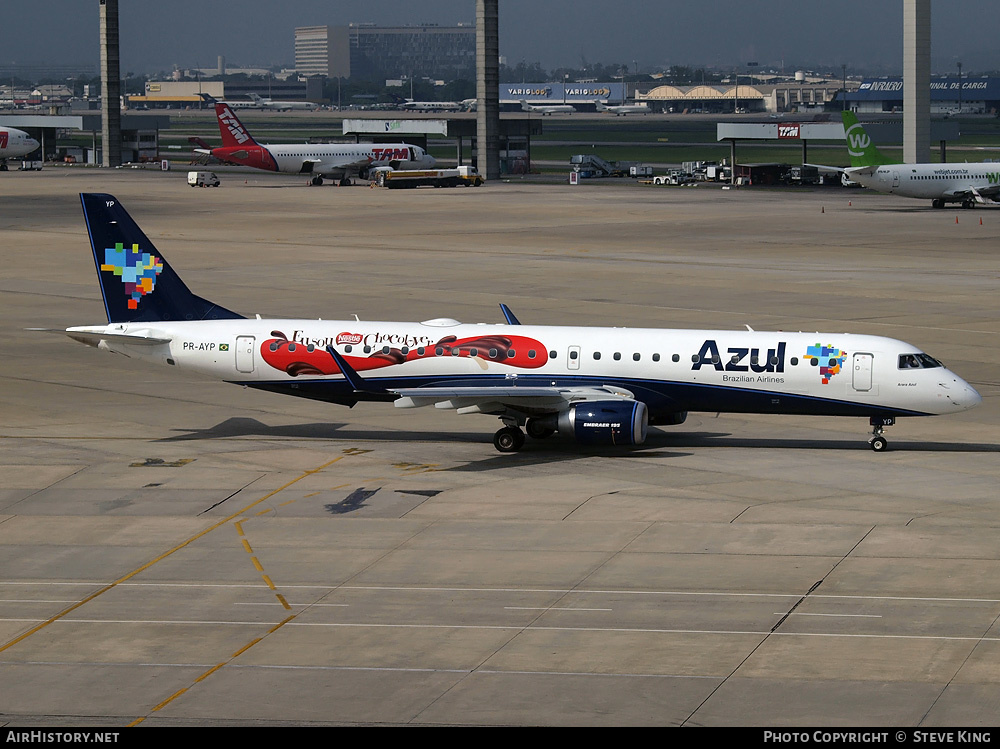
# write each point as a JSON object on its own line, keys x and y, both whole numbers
{"x": 971, "y": 95}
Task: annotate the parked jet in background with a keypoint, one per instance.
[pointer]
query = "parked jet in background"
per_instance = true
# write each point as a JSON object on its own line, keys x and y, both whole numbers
{"x": 963, "y": 183}
{"x": 544, "y": 109}
{"x": 281, "y": 106}
{"x": 431, "y": 106}
{"x": 623, "y": 109}
{"x": 599, "y": 386}
{"x": 335, "y": 161}
{"x": 13, "y": 144}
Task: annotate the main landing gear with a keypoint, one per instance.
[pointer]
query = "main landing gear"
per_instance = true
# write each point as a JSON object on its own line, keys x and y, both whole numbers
{"x": 877, "y": 442}
{"x": 510, "y": 439}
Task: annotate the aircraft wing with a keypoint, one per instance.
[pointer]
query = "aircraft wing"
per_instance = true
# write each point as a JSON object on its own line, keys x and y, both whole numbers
{"x": 499, "y": 398}
{"x": 485, "y": 398}
{"x": 982, "y": 195}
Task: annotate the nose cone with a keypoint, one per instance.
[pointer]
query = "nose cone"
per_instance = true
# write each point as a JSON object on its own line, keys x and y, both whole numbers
{"x": 33, "y": 143}
{"x": 960, "y": 394}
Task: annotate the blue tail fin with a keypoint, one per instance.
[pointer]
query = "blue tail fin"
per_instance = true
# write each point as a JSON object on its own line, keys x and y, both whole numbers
{"x": 137, "y": 283}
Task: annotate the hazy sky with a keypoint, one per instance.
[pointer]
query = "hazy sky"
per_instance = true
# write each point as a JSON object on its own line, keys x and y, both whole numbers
{"x": 864, "y": 34}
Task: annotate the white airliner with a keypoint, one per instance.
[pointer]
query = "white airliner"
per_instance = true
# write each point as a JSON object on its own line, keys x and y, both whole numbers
{"x": 599, "y": 386}
{"x": 336, "y": 161}
{"x": 13, "y": 144}
{"x": 963, "y": 183}
{"x": 544, "y": 109}
{"x": 431, "y": 106}
{"x": 623, "y": 109}
{"x": 280, "y": 106}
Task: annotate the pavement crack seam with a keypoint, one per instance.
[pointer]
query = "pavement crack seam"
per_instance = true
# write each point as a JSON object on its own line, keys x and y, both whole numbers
{"x": 968, "y": 657}
{"x": 774, "y": 629}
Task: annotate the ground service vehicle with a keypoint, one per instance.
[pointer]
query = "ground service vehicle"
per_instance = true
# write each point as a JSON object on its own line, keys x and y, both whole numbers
{"x": 203, "y": 179}
{"x": 462, "y": 176}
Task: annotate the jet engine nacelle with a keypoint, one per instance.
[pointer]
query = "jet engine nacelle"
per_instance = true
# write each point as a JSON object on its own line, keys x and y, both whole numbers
{"x": 606, "y": 422}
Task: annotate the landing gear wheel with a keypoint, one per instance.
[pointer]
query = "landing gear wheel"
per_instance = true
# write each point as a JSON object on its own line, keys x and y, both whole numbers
{"x": 968, "y": 203}
{"x": 879, "y": 444}
{"x": 316, "y": 181}
{"x": 937, "y": 203}
{"x": 508, "y": 440}
{"x": 346, "y": 182}
{"x": 537, "y": 430}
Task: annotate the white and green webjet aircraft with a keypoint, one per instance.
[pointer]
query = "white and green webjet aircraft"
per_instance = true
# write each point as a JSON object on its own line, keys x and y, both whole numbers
{"x": 598, "y": 386}
{"x": 963, "y": 183}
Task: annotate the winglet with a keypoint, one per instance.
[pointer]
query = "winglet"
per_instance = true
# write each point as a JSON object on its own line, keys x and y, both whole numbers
{"x": 351, "y": 375}
{"x": 508, "y": 315}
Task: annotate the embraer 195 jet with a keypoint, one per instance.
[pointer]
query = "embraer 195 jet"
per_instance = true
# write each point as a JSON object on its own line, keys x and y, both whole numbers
{"x": 599, "y": 386}
{"x": 963, "y": 183}
{"x": 336, "y": 161}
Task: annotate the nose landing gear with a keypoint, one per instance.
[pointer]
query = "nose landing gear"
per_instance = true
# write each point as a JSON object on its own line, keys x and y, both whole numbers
{"x": 877, "y": 442}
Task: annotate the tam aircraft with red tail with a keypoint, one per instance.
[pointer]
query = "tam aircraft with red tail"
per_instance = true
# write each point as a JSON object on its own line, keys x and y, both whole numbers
{"x": 334, "y": 161}
{"x": 597, "y": 386}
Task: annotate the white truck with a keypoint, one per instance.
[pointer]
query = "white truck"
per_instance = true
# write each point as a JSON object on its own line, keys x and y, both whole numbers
{"x": 465, "y": 176}
{"x": 203, "y": 179}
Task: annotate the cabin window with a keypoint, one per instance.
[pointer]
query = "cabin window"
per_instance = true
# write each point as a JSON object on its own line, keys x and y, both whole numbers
{"x": 455, "y": 352}
{"x": 552, "y": 354}
{"x": 656, "y": 357}
{"x": 291, "y": 348}
{"x": 695, "y": 358}
{"x": 617, "y": 356}
{"x": 754, "y": 360}
{"x": 636, "y": 357}
{"x": 832, "y": 362}
{"x": 493, "y": 353}
{"x": 795, "y": 361}
{"x": 814, "y": 362}
{"x": 574, "y": 355}
{"x": 274, "y": 346}
{"x": 438, "y": 351}
{"x": 348, "y": 348}
{"x": 511, "y": 353}
{"x": 420, "y": 351}
{"x": 310, "y": 348}
{"x": 597, "y": 355}
{"x": 385, "y": 349}
{"x": 531, "y": 353}
{"x": 676, "y": 358}
{"x": 473, "y": 352}
{"x": 715, "y": 359}
{"x": 405, "y": 350}
{"x": 774, "y": 361}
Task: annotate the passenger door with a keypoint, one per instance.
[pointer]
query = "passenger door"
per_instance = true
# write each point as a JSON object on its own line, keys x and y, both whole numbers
{"x": 862, "y": 372}
{"x": 244, "y": 353}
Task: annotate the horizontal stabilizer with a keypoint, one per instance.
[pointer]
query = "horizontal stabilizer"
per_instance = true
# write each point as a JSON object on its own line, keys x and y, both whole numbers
{"x": 92, "y": 338}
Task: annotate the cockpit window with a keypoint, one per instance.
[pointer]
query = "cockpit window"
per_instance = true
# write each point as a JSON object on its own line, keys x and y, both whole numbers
{"x": 918, "y": 361}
